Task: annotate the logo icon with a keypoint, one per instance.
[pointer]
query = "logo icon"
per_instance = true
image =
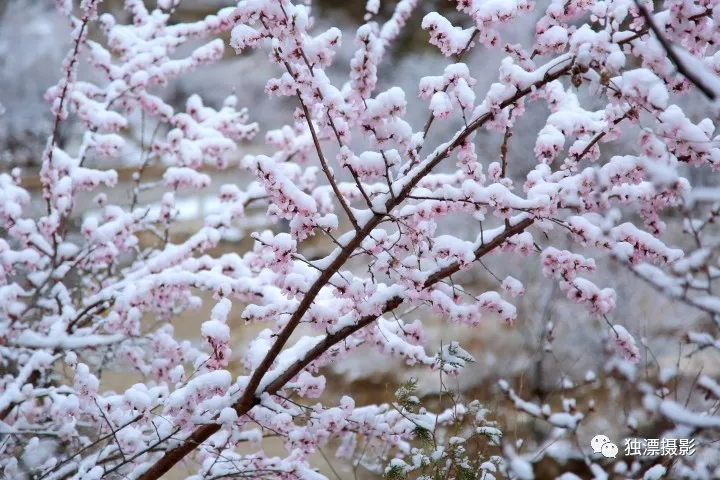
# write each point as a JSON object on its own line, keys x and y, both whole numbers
{"x": 609, "y": 450}
{"x": 601, "y": 444}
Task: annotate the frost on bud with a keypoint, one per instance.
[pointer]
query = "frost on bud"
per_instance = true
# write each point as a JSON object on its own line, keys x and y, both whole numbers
{"x": 216, "y": 333}
{"x": 513, "y": 286}
{"x": 624, "y": 344}
{"x": 440, "y": 105}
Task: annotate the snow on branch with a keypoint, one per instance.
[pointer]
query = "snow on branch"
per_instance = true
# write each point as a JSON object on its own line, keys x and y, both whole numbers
{"x": 94, "y": 274}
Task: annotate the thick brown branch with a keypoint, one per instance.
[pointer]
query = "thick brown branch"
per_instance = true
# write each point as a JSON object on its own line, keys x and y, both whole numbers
{"x": 203, "y": 433}
{"x": 389, "y": 306}
{"x": 249, "y": 399}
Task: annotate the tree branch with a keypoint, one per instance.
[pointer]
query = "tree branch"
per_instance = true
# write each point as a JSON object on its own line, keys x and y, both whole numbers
{"x": 324, "y": 165}
{"x": 249, "y": 399}
{"x": 673, "y": 56}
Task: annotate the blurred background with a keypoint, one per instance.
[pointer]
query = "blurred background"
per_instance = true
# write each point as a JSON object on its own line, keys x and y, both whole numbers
{"x": 33, "y": 42}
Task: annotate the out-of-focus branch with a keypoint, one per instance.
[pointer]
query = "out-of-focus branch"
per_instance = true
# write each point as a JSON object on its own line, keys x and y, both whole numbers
{"x": 674, "y": 57}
